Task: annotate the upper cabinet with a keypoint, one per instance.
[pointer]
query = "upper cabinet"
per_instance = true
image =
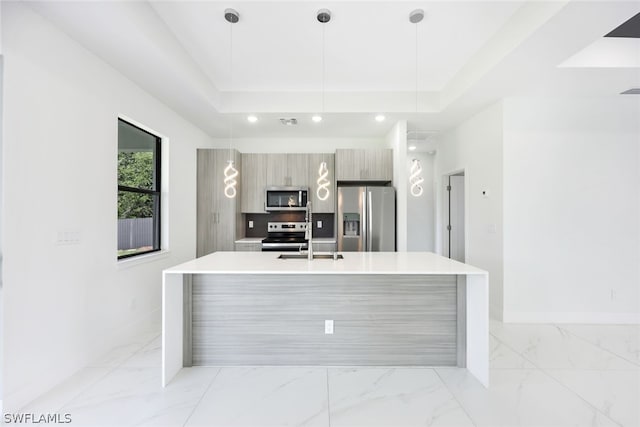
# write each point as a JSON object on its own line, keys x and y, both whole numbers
{"x": 364, "y": 165}
{"x": 217, "y": 215}
{"x": 317, "y": 205}
{"x": 298, "y": 170}
{"x": 287, "y": 170}
{"x": 254, "y": 180}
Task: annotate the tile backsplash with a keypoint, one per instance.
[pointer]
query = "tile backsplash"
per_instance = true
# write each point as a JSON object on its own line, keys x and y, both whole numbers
{"x": 260, "y": 222}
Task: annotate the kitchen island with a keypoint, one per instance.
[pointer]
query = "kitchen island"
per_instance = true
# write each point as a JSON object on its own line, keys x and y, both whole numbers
{"x": 368, "y": 309}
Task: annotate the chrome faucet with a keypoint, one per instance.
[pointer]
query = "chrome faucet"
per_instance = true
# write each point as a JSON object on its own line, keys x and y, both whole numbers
{"x": 309, "y": 231}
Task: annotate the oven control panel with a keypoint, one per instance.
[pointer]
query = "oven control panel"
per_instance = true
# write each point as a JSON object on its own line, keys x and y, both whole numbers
{"x": 286, "y": 227}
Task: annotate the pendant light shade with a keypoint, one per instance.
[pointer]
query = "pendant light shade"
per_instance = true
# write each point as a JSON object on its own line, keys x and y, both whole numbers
{"x": 415, "y": 178}
{"x": 323, "y": 183}
{"x": 230, "y": 174}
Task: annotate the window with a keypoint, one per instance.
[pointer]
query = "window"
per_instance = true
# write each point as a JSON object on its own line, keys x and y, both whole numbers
{"x": 138, "y": 191}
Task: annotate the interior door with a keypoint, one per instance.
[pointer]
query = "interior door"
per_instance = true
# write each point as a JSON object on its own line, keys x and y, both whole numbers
{"x": 454, "y": 236}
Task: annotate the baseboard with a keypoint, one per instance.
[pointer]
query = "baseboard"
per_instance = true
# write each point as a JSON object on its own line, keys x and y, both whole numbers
{"x": 17, "y": 399}
{"x": 149, "y": 322}
{"x": 562, "y": 317}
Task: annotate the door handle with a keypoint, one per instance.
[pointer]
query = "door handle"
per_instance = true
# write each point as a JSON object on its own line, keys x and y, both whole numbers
{"x": 369, "y": 224}
{"x": 363, "y": 223}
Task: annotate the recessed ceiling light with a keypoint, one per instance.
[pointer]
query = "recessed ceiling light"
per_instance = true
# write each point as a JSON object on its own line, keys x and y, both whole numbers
{"x": 412, "y": 148}
{"x": 316, "y": 118}
{"x": 380, "y": 118}
{"x": 252, "y": 119}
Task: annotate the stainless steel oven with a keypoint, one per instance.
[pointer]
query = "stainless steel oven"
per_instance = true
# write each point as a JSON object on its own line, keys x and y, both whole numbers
{"x": 285, "y": 237}
{"x": 286, "y": 198}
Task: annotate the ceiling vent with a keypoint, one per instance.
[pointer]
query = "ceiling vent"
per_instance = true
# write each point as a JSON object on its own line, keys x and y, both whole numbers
{"x": 634, "y": 91}
{"x": 289, "y": 122}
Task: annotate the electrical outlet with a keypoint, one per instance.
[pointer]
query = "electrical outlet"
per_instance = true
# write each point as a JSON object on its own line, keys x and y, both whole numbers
{"x": 328, "y": 326}
{"x": 250, "y": 224}
{"x": 319, "y": 224}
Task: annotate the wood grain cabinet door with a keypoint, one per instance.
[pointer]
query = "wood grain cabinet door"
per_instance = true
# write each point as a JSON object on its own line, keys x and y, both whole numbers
{"x": 216, "y": 214}
{"x": 254, "y": 178}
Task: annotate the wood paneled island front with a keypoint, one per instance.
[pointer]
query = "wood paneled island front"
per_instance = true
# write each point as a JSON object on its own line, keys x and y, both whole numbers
{"x": 387, "y": 309}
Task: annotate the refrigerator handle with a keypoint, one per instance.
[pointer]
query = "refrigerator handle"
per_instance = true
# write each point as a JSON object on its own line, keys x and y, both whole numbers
{"x": 364, "y": 222}
{"x": 369, "y": 224}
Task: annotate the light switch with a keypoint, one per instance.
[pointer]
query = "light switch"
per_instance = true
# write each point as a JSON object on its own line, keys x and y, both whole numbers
{"x": 68, "y": 237}
{"x": 250, "y": 224}
{"x": 493, "y": 229}
{"x": 328, "y": 326}
{"x": 319, "y": 224}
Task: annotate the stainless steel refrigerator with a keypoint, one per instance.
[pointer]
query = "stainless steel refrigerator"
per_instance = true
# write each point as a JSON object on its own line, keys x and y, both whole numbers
{"x": 366, "y": 219}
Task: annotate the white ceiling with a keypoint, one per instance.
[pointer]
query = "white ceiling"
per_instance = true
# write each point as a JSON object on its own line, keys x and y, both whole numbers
{"x": 369, "y": 46}
{"x": 470, "y": 53}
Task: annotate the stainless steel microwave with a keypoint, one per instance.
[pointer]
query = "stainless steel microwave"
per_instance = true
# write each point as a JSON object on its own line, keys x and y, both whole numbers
{"x": 286, "y": 198}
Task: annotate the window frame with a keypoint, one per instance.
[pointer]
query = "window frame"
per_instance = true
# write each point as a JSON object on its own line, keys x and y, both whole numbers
{"x": 157, "y": 223}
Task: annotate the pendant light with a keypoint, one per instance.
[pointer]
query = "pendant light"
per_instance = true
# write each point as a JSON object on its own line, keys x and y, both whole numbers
{"x": 323, "y": 192}
{"x": 415, "y": 178}
{"x": 230, "y": 172}
{"x": 415, "y": 171}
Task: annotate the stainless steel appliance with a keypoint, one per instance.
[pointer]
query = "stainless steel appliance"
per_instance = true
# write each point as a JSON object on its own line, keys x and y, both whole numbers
{"x": 286, "y": 198}
{"x": 285, "y": 237}
{"x": 366, "y": 219}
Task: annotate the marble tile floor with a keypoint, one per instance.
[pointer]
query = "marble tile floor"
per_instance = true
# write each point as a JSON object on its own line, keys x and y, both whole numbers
{"x": 541, "y": 375}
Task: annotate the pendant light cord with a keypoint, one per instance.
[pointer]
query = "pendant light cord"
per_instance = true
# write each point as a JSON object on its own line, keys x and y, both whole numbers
{"x": 323, "y": 69}
{"x": 231, "y": 86}
{"x": 416, "y": 64}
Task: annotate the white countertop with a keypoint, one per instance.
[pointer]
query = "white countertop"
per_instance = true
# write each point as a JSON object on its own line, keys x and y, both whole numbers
{"x": 250, "y": 240}
{"x": 353, "y": 263}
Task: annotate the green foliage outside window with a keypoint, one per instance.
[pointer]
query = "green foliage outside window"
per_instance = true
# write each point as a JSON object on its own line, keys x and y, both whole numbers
{"x": 135, "y": 169}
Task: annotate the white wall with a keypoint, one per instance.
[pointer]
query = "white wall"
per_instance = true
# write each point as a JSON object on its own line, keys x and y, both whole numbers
{"x": 475, "y": 146}
{"x": 572, "y": 210}
{"x": 421, "y": 210}
{"x": 397, "y": 140}
{"x": 68, "y": 304}
{"x": 1, "y": 215}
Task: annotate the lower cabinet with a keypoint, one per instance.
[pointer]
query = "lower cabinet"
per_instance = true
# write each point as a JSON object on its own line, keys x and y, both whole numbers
{"x": 248, "y": 246}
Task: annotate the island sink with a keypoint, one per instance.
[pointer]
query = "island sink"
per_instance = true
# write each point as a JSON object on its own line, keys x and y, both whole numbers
{"x": 305, "y": 256}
